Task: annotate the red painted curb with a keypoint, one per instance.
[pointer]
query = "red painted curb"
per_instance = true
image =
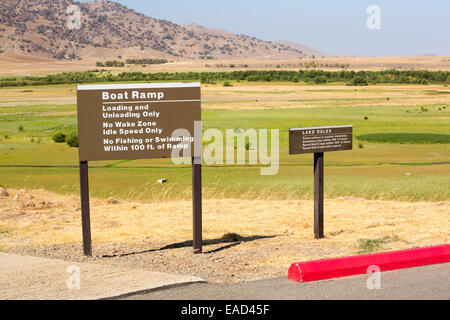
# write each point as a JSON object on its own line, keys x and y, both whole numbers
{"x": 347, "y": 266}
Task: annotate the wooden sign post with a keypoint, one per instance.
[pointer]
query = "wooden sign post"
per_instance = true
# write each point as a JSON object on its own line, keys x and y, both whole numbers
{"x": 318, "y": 140}
{"x": 139, "y": 121}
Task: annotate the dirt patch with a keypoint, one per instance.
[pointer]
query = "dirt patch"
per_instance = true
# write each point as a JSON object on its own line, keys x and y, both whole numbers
{"x": 244, "y": 240}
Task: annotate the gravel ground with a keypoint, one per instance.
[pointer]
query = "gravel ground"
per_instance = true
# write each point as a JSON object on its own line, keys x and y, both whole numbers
{"x": 214, "y": 265}
{"x": 243, "y": 240}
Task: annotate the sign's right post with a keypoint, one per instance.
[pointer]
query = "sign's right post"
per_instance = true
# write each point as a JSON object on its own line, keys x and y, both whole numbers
{"x": 318, "y": 195}
{"x": 319, "y": 140}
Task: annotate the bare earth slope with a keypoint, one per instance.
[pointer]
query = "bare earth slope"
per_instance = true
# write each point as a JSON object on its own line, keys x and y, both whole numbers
{"x": 109, "y": 30}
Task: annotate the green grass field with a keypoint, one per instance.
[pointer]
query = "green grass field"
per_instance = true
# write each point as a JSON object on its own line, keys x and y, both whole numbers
{"x": 403, "y": 153}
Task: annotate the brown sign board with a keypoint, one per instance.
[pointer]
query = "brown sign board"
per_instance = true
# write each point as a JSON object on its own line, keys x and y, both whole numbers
{"x": 136, "y": 121}
{"x": 320, "y": 139}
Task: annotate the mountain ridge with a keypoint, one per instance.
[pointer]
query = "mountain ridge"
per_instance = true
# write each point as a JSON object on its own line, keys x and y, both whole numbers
{"x": 110, "y": 30}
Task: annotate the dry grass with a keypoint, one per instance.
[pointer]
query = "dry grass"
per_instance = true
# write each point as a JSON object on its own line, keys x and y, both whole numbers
{"x": 26, "y": 66}
{"x": 334, "y": 63}
{"x": 277, "y": 232}
{"x": 22, "y": 96}
{"x": 257, "y": 96}
{"x": 23, "y": 66}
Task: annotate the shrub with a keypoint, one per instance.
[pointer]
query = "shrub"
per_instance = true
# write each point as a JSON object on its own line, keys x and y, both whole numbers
{"x": 20, "y": 128}
{"x": 320, "y": 79}
{"x": 72, "y": 140}
{"x": 358, "y": 81}
{"x": 59, "y": 137}
{"x": 227, "y": 84}
{"x": 146, "y": 61}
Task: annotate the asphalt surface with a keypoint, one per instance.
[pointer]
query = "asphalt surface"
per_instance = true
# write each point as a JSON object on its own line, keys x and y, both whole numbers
{"x": 424, "y": 283}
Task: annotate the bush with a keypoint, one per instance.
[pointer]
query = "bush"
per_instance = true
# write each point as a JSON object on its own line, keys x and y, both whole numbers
{"x": 72, "y": 140}
{"x": 117, "y": 64}
{"x": 320, "y": 80}
{"x": 59, "y": 137}
{"x": 227, "y": 84}
{"x": 20, "y": 128}
{"x": 358, "y": 81}
{"x": 146, "y": 61}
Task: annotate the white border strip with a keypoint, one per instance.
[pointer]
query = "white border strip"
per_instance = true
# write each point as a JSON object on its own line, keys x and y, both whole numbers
{"x": 139, "y": 86}
{"x": 329, "y": 127}
{"x": 154, "y": 101}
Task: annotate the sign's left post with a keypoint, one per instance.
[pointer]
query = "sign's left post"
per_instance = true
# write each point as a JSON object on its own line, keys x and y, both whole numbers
{"x": 85, "y": 211}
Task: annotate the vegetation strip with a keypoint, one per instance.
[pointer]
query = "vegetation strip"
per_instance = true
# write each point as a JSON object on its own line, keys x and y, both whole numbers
{"x": 353, "y": 78}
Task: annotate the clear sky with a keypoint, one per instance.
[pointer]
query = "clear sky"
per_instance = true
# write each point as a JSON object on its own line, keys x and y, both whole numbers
{"x": 408, "y": 27}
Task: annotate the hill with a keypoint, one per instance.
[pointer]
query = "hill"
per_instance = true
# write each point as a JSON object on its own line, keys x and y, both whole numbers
{"x": 109, "y": 30}
{"x": 302, "y": 48}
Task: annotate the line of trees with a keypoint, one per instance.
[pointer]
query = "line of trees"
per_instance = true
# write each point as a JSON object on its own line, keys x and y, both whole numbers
{"x": 114, "y": 63}
{"x": 308, "y": 76}
{"x": 146, "y": 61}
{"x": 120, "y": 64}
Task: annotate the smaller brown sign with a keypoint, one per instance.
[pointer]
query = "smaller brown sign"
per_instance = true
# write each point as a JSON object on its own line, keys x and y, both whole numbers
{"x": 320, "y": 139}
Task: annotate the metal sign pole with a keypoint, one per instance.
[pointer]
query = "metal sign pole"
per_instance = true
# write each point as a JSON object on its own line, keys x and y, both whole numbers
{"x": 85, "y": 210}
{"x": 197, "y": 204}
{"x": 318, "y": 195}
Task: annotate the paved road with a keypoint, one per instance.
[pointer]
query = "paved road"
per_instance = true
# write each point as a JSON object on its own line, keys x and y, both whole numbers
{"x": 430, "y": 282}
